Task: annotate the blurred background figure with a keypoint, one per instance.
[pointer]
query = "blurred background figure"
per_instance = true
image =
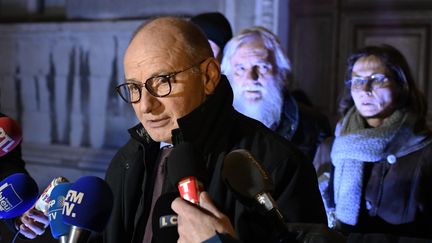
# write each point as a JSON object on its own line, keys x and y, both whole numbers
{"x": 259, "y": 73}
{"x": 381, "y": 154}
{"x": 217, "y": 30}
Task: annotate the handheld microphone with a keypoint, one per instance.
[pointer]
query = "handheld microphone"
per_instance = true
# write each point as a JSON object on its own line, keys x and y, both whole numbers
{"x": 59, "y": 229}
{"x": 10, "y": 135}
{"x": 251, "y": 184}
{"x": 43, "y": 201}
{"x": 164, "y": 220}
{"x": 18, "y": 193}
{"x": 187, "y": 171}
{"x": 87, "y": 207}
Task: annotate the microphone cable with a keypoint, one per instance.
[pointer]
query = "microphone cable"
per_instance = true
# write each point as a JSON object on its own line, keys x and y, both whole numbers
{"x": 15, "y": 236}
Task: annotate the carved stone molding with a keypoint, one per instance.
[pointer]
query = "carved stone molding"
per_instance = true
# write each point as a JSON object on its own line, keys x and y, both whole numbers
{"x": 267, "y": 14}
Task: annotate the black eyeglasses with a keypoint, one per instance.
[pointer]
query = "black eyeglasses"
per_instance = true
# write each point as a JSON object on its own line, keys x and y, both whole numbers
{"x": 158, "y": 86}
{"x": 376, "y": 81}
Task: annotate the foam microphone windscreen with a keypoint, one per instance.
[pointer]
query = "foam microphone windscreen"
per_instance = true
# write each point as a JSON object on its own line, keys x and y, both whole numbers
{"x": 245, "y": 175}
{"x": 10, "y": 135}
{"x": 18, "y": 193}
{"x": 88, "y": 204}
{"x": 184, "y": 161}
{"x": 55, "y": 207}
{"x": 164, "y": 219}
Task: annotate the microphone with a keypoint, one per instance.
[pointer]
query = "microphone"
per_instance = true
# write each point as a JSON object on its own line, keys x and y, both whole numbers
{"x": 186, "y": 170}
{"x": 18, "y": 193}
{"x": 43, "y": 201}
{"x": 59, "y": 229}
{"x": 164, "y": 220}
{"x": 251, "y": 184}
{"x": 10, "y": 135}
{"x": 87, "y": 207}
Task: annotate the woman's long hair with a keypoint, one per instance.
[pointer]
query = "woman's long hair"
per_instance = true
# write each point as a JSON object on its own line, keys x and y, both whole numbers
{"x": 410, "y": 97}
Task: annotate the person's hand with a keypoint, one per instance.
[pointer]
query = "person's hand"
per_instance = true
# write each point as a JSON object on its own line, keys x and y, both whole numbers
{"x": 32, "y": 223}
{"x": 197, "y": 224}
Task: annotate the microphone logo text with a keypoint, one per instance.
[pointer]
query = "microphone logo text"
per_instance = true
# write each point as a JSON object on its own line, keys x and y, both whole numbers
{"x": 167, "y": 221}
{"x": 190, "y": 189}
{"x": 72, "y": 198}
{"x": 6, "y": 141}
{"x": 9, "y": 199}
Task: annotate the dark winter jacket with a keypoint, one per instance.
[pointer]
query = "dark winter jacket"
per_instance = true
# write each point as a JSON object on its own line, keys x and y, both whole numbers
{"x": 215, "y": 129}
{"x": 303, "y": 125}
{"x": 397, "y": 192}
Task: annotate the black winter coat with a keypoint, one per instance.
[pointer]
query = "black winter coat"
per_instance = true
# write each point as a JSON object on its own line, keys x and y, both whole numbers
{"x": 303, "y": 125}
{"x": 215, "y": 129}
{"x": 397, "y": 194}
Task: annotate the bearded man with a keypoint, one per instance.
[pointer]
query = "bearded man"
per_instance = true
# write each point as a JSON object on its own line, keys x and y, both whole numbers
{"x": 259, "y": 73}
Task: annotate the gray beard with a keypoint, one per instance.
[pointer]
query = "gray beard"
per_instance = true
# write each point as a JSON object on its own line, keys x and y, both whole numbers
{"x": 267, "y": 110}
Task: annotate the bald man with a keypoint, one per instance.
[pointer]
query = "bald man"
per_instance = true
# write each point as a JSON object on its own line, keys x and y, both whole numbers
{"x": 176, "y": 89}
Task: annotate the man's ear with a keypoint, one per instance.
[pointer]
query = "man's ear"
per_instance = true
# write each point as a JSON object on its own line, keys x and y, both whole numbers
{"x": 212, "y": 74}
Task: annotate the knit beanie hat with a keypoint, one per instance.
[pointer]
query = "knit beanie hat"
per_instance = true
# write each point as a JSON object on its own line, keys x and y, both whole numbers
{"x": 215, "y": 26}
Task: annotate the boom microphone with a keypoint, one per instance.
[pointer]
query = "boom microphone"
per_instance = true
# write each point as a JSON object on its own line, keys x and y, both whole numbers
{"x": 164, "y": 221}
{"x": 18, "y": 193}
{"x": 87, "y": 207}
{"x": 253, "y": 186}
{"x": 10, "y": 135}
{"x": 59, "y": 229}
{"x": 186, "y": 170}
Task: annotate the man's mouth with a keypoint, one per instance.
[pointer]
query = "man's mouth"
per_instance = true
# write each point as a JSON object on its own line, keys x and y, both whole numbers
{"x": 252, "y": 94}
{"x": 156, "y": 123}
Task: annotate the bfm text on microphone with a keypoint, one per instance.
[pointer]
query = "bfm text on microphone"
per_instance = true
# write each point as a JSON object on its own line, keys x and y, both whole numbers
{"x": 10, "y": 135}
{"x": 18, "y": 193}
{"x": 87, "y": 207}
{"x": 186, "y": 170}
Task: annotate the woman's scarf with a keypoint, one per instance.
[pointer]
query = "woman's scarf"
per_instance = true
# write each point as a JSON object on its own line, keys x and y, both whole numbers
{"x": 355, "y": 145}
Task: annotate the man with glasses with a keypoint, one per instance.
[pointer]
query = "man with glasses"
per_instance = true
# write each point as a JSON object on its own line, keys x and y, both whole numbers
{"x": 175, "y": 87}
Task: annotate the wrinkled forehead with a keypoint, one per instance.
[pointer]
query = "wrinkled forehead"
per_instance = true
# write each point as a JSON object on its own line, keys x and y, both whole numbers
{"x": 369, "y": 64}
{"x": 157, "y": 38}
{"x": 253, "y": 50}
{"x": 153, "y": 46}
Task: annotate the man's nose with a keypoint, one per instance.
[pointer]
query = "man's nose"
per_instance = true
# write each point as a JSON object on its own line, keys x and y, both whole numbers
{"x": 147, "y": 102}
{"x": 252, "y": 73}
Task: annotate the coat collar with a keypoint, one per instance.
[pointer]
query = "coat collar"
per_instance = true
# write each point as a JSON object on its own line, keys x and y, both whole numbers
{"x": 410, "y": 137}
{"x": 207, "y": 124}
{"x": 289, "y": 118}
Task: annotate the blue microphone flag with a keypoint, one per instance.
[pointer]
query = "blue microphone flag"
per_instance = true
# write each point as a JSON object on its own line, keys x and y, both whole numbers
{"x": 55, "y": 207}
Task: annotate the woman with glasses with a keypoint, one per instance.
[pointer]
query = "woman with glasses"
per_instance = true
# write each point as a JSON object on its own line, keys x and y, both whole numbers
{"x": 380, "y": 180}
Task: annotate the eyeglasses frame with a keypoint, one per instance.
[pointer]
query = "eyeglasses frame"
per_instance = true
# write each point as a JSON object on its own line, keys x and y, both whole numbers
{"x": 140, "y": 85}
{"x": 385, "y": 78}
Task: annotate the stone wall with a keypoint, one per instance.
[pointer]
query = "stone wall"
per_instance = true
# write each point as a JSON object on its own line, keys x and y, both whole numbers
{"x": 58, "y": 81}
{"x": 58, "y": 74}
